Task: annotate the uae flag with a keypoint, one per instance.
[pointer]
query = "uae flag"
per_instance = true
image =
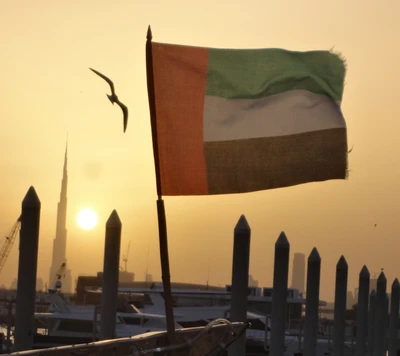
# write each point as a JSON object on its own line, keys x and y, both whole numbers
{"x": 241, "y": 120}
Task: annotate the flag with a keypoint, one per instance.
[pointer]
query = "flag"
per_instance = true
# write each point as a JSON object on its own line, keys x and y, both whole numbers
{"x": 241, "y": 120}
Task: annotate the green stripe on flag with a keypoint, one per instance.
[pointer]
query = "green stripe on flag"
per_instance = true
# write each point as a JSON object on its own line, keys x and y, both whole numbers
{"x": 256, "y": 73}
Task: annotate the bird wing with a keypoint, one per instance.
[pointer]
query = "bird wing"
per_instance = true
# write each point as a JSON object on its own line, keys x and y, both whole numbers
{"x": 125, "y": 112}
{"x": 108, "y": 80}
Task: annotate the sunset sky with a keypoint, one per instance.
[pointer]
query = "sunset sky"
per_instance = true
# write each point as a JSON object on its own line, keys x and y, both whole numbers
{"x": 48, "y": 92}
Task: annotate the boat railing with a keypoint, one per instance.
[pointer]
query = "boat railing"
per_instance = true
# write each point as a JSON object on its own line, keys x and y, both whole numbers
{"x": 212, "y": 339}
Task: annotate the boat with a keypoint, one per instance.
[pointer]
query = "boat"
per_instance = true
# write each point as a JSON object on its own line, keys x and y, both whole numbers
{"x": 199, "y": 311}
{"x": 195, "y": 307}
{"x": 65, "y": 324}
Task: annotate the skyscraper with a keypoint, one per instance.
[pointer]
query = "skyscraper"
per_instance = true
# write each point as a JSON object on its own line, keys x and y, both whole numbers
{"x": 60, "y": 241}
{"x": 299, "y": 272}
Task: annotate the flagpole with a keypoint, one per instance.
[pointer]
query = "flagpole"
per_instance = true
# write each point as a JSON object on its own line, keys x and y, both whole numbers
{"x": 162, "y": 223}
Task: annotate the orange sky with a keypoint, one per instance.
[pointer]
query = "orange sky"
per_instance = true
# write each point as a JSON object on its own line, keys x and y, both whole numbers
{"x": 47, "y": 90}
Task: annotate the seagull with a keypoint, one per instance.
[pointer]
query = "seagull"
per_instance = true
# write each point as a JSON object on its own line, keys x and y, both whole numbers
{"x": 113, "y": 97}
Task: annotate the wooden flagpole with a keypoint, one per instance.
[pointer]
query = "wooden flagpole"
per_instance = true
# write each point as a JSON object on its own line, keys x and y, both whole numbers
{"x": 162, "y": 223}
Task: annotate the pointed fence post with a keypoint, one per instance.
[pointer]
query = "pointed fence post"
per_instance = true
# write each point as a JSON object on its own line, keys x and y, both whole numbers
{"x": 10, "y": 320}
{"x": 109, "y": 297}
{"x": 394, "y": 318}
{"x": 96, "y": 310}
{"x": 362, "y": 312}
{"x": 312, "y": 303}
{"x": 371, "y": 323}
{"x": 339, "y": 320}
{"x": 279, "y": 295}
{"x": 386, "y": 323}
{"x": 380, "y": 310}
{"x": 240, "y": 281}
{"x": 27, "y": 271}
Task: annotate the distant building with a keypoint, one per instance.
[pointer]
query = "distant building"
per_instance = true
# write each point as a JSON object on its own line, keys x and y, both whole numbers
{"x": 123, "y": 277}
{"x": 356, "y": 294}
{"x": 85, "y": 284}
{"x": 60, "y": 241}
{"x": 372, "y": 284}
{"x": 299, "y": 272}
{"x": 126, "y": 277}
{"x": 14, "y": 284}
{"x": 350, "y": 300}
{"x": 252, "y": 281}
{"x": 39, "y": 284}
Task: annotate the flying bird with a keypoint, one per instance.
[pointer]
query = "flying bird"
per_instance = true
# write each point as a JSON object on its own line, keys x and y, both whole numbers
{"x": 351, "y": 149}
{"x": 113, "y": 97}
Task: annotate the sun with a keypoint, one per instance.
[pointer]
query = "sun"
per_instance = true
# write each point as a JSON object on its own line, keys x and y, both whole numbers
{"x": 87, "y": 219}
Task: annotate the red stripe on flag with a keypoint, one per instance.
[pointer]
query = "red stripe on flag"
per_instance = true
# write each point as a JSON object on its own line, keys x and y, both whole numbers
{"x": 180, "y": 75}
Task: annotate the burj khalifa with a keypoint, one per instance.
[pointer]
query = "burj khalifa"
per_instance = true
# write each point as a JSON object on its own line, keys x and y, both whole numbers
{"x": 60, "y": 241}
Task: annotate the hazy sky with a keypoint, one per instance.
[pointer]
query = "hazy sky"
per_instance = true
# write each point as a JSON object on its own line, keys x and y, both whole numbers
{"x": 47, "y": 90}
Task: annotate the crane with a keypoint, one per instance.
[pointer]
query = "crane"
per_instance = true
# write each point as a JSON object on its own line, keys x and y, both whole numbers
{"x": 55, "y": 282}
{"x": 125, "y": 257}
{"x": 8, "y": 243}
